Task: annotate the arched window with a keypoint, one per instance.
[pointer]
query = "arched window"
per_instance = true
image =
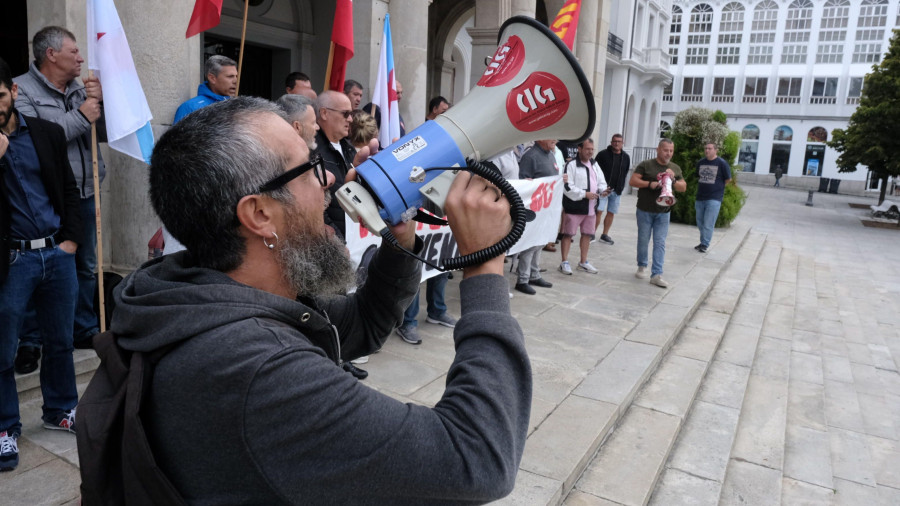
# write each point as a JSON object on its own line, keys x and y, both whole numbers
{"x": 675, "y": 34}
{"x": 817, "y": 134}
{"x": 815, "y": 151}
{"x": 781, "y": 149}
{"x": 750, "y": 133}
{"x": 796, "y": 32}
{"x": 664, "y": 129}
{"x": 833, "y": 31}
{"x": 783, "y": 133}
{"x": 762, "y": 35}
{"x": 749, "y": 148}
{"x": 731, "y": 28}
{"x": 870, "y": 31}
{"x": 699, "y": 33}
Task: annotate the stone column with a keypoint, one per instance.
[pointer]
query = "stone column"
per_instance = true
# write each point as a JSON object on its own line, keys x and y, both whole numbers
{"x": 169, "y": 68}
{"x": 522, "y": 8}
{"x": 586, "y": 52}
{"x": 409, "y": 23}
{"x": 368, "y": 26}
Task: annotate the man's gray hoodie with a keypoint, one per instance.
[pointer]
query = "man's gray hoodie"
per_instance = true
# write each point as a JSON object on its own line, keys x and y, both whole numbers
{"x": 250, "y": 406}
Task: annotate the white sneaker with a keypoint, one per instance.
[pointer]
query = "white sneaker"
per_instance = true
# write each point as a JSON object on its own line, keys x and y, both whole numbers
{"x": 565, "y": 268}
{"x": 586, "y": 266}
{"x": 641, "y": 273}
{"x": 360, "y": 360}
{"x": 659, "y": 281}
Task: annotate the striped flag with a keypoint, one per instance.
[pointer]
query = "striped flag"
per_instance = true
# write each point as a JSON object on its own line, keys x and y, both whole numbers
{"x": 566, "y": 22}
{"x": 125, "y": 106}
{"x": 385, "y": 92}
{"x": 341, "y": 45}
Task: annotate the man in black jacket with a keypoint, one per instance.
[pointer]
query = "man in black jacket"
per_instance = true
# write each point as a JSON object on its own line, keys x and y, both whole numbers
{"x": 39, "y": 223}
{"x": 333, "y": 115}
{"x": 614, "y": 162}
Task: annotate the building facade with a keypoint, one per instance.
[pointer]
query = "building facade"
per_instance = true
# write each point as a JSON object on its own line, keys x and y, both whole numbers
{"x": 637, "y": 70}
{"x": 440, "y": 48}
{"x": 786, "y": 72}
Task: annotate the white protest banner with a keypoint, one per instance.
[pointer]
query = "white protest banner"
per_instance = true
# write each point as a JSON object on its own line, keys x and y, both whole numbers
{"x": 543, "y": 196}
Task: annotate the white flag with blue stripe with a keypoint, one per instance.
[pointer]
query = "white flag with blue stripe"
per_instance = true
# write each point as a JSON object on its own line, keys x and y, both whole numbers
{"x": 125, "y": 107}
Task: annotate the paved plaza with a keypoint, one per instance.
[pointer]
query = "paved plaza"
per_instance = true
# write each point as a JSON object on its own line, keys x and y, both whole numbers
{"x": 765, "y": 374}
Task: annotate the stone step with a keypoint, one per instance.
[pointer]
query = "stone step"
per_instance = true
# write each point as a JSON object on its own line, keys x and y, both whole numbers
{"x": 697, "y": 465}
{"x": 29, "y": 385}
{"x": 564, "y": 441}
{"x": 628, "y": 464}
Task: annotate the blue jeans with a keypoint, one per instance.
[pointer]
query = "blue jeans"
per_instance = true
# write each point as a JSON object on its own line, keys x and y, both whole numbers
{"x": 86, "y": 321}
{"x": 434, "y": 297}
{"x": 707, "y": 214}
{"x": 46, "y": 276}
{"x": 657, "y": 225}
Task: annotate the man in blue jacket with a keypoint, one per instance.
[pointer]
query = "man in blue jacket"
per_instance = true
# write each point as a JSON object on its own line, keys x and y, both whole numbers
{"x": 220, "y": 84}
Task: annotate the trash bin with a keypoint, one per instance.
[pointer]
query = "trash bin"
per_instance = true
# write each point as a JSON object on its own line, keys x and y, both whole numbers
{"x": 823, "y": 184}
{"x": 833, "y": 187}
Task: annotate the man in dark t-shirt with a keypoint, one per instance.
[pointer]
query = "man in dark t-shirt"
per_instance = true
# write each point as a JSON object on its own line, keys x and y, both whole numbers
{"x": 652, "y": 218}
{"x": 713, "y": 173}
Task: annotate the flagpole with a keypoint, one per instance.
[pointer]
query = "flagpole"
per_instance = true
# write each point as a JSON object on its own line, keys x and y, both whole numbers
{"x": 328, "y": 68}
{"x": 237, "y": 89}
{"x": 96, "y": 173}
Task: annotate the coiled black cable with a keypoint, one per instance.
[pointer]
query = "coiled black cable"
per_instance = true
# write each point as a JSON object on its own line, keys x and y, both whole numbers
{"x": 516, "y": 211}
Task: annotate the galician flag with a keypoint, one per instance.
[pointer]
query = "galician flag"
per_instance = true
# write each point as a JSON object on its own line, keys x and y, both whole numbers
{"x": 566, "y": 22}
{"x": 125, "y": 106}
{"x": 385, "y": 93}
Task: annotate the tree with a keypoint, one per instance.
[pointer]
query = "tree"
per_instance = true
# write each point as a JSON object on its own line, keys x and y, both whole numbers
{"x": 692, "y": 129}
{"x": 871, "y": 135}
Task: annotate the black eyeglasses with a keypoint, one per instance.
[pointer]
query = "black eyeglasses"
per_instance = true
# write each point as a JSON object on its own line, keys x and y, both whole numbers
{"x": 345, "y": 114}
{"x": 315, "y": 164}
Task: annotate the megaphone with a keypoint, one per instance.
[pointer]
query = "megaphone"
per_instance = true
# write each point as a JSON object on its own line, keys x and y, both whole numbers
{"x": 533, "y": 88}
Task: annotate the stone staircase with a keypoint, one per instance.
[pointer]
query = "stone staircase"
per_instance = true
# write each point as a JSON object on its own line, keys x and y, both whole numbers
{"x": 634, "y": 458}
{"x": 561, "y": 447}
{"x": 787, "y": 395}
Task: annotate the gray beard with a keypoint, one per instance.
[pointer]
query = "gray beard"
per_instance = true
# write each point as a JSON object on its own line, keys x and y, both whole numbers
{"x": 315, "y": 265}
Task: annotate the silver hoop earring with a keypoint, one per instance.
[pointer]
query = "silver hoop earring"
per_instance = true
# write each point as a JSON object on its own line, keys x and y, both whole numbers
{"x": 271, "y": 246}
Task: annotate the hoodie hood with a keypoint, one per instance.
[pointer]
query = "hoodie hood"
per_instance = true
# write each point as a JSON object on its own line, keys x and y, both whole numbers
{"x": 169, "y": 300}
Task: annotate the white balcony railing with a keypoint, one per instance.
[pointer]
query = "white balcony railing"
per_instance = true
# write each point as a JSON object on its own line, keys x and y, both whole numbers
{"x": 692, "y": 98}
{"x": 722, "y": 98}
{"x": 852, "y": 100}
{"x": 787, "y": 100}
{"x": 656, "y": 58}
{"x": 822, "y": 100}
{"x": 754, "y": 99}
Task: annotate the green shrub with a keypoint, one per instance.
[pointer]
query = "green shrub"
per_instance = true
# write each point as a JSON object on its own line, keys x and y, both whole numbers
{"x": 692, "y": 129}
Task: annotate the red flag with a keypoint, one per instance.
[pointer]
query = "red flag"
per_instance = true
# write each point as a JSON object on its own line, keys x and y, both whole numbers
{"x": 205, "y": 16}
{"x": 341, "y": 45}
{"x": 566, "y": 22}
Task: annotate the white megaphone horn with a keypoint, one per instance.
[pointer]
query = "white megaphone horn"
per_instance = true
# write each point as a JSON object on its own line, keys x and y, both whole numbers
{"x": 533, "y": 88}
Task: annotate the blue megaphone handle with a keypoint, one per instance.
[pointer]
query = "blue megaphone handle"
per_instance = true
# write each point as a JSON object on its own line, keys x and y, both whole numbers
{"x": 387, "y": 174}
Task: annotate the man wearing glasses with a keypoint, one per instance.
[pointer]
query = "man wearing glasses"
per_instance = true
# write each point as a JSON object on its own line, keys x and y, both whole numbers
{"x": 333, "y": 112}
{"x": 252, "y": 386}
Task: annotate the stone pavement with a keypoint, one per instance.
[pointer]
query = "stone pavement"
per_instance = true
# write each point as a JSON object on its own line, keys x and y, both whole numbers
{"x": 611, "y": 352}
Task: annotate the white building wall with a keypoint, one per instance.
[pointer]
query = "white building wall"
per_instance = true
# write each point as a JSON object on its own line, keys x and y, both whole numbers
{"x": 772, "y": 112}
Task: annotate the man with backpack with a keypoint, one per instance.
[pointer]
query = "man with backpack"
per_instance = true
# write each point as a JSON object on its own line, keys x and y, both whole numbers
{"x": 247, "y": 402}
